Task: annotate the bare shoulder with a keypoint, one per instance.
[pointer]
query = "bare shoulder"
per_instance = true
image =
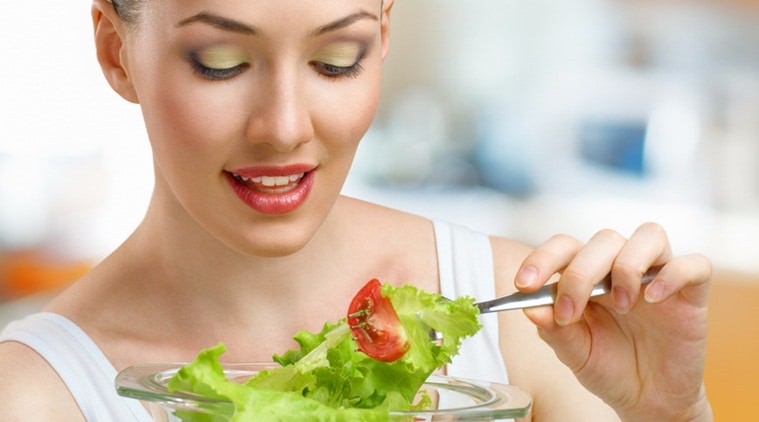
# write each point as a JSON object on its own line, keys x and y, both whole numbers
{"x": 31, "y": 389}
{"x": 391, "y": 225}
{"x": 382, "y": 215}
{"x": 400, "y": 245}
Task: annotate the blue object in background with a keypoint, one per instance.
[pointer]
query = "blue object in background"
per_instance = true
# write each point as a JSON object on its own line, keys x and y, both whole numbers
{"x": 614, "y": 145}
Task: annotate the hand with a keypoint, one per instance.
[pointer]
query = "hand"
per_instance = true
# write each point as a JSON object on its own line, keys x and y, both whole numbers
{"x": 640, "y": 350}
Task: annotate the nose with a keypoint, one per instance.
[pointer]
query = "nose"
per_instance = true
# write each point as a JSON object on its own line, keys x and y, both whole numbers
{"x": 282, "y": 116}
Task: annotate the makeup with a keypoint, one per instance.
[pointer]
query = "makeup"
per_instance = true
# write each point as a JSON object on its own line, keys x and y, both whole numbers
{"x": 272, "y": 190}
{"x": 343, "y": 54}
{"x": 339, "y": 60}
{"x": 221, "y": 57}
{"x": 219, "y": 62}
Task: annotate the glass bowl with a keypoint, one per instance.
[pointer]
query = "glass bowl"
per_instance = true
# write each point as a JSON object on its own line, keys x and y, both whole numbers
{"x": 457, "y": 399}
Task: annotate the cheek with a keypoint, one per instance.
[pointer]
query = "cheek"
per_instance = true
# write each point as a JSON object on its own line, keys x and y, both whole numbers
{"x": 176, "y": 114}
{"x": 192, "y": 134}
{"x": 351, "y": 113}
{"x": 177, "y": 111}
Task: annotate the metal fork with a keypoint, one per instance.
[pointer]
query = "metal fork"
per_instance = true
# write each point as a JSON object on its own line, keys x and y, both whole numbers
{"x": 546, "y": 295}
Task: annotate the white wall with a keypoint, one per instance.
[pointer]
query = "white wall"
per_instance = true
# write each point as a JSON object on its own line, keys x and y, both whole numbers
{"x": 74, "y": 159}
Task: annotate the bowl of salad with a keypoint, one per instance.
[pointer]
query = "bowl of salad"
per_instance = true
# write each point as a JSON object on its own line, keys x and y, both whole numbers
{"x": 376, "y": 364}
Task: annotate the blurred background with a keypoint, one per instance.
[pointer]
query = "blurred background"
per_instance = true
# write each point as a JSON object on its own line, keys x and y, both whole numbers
{"x": 522, "y": 118}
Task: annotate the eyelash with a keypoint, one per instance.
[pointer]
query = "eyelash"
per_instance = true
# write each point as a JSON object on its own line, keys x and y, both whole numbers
{"x": 325, "y": 69}
{"x": 214, "y": 74}
{"x": 334, "y": 72}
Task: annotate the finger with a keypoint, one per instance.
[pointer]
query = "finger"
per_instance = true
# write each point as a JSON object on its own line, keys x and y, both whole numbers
{"x": 591, "y": 264}
{"x": 679, "y": 274}
{"x": 570, "y": 343}
{"x": 647, "y": 247}
{"x": 545, "y": 261}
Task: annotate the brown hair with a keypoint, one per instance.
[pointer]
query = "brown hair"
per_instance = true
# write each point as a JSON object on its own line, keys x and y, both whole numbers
{"x": 128, "y": 10}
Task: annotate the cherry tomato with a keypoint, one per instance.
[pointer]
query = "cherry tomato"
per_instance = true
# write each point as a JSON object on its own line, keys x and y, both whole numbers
{"x": 375, "y": 324}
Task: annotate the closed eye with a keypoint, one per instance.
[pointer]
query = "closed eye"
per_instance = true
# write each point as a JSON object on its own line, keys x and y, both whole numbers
{"x": 215, "y": 74}
{"x": 332, "y": 71}
{"x": 336, "y": 63}
{"x": 219, "y": 62}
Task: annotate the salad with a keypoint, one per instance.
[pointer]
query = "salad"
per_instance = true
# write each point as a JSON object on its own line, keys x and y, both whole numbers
{"x": 356, "y": 369}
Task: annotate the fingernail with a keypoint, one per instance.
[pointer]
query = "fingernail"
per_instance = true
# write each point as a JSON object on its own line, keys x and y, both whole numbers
{"x": 565, "y": 310}
{"x": 655, "y": 291}
{"x": 621, "y": 300}
{"x": 526, "y": 277}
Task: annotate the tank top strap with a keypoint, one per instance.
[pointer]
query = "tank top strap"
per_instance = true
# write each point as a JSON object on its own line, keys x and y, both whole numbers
{"x": 465, "y": 261}
{"x": 79, "y": 362}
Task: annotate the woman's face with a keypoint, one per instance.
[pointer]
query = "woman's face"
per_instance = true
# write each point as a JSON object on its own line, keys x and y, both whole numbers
{"x": 255, "y": 108}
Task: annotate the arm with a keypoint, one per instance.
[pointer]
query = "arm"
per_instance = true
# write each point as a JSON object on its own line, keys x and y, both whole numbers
{"x": 31, "y": 389}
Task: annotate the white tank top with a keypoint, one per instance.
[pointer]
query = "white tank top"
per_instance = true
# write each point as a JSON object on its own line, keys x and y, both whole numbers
{"x": 465, "y": 261}
{"x": 466, "y": 268}
{"x": 81, "y": 365}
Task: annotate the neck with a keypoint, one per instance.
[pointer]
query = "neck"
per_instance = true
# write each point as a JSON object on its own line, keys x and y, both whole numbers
{"x": 184, "y": 261}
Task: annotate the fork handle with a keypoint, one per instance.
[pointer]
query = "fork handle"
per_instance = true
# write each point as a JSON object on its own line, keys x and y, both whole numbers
{"x": 546, "y": 295}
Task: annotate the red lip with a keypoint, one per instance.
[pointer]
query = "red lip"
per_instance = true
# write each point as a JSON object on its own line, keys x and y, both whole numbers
{"x": 273, "y": 200}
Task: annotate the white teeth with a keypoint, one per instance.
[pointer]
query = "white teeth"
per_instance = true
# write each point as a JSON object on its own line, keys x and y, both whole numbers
{"x": 271, "y": 181}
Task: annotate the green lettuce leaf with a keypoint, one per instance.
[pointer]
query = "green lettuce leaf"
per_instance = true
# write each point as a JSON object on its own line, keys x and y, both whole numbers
{"x": 327, "y": 379}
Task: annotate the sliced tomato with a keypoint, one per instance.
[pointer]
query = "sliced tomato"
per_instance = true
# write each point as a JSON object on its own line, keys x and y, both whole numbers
{"x": 375, "y": 324}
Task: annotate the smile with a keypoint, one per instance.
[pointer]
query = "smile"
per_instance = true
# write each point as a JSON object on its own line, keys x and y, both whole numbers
{"x": 275, "y": 190}
{"x": 271, "y": 184}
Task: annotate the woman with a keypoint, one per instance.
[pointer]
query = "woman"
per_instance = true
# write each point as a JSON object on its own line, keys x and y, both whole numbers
{"x": 254, "y": 110}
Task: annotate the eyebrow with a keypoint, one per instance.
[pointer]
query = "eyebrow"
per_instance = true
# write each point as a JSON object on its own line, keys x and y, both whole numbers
{"x": 344, "y": 22}
{"x": 220, "y": 22}
{"x": 233, "y": 25}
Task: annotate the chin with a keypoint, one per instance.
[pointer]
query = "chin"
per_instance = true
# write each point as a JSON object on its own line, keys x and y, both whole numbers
{"x": 276, "y": 243}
